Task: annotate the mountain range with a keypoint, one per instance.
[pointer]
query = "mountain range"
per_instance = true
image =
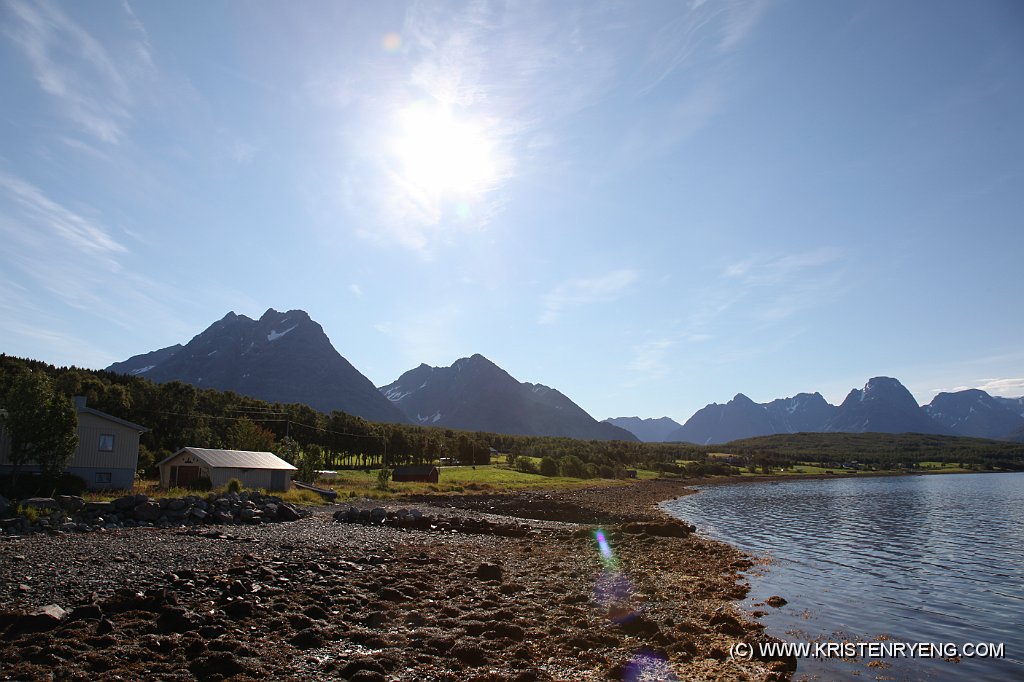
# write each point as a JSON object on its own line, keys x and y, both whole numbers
{"x": 883, "y": 405}
{"x": 281, "y": 357}
{"x": 476, "y": 395}
{"x": 286, "y": 357}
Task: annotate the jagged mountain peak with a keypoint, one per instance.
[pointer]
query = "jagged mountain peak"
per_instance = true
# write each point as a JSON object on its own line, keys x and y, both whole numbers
{"x": 283, "y": 357}
{"x": 476, "y": 394}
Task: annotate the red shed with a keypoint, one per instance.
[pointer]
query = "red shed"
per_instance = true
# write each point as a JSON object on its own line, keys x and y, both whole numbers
{"x": 426, "y": 473}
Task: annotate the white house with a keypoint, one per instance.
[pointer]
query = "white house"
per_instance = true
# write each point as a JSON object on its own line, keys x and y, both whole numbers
{"x": 254, "y": 469}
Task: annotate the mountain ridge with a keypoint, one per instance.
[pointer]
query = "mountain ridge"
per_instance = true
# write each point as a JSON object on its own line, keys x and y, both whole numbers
{"x": 282, "y": 357}
{"x": 476, "y": 394}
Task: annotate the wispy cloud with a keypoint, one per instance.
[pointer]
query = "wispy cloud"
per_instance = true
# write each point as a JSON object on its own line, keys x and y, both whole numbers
{"x": 1007, "y": 388}
{"x": 355, "y": 289}
{"x": 45, "y": 215}
{"x": 577, "y": 292}
{"x": 773, "y": 269}
{"x": 648, "y": 362}
{"x": 68, "y": 256}
{"x": 93, "y": 89}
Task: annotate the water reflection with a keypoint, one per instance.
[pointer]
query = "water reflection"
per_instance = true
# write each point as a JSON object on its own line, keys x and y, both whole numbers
{"x": 916, "y": 558}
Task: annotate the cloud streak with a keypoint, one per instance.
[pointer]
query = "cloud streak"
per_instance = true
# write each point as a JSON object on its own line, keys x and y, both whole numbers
{"x": 648, "y": 362}
{"x": 581, "y": 292}
{"x": 76, "y": 69}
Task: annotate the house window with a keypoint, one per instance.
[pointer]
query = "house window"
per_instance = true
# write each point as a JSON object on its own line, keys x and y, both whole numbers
{"x": 106, "y": 442}
{"x": 103, "y": 477}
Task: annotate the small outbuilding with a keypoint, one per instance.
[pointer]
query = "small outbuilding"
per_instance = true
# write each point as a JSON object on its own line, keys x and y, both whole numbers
{"x": 426, "y": 473}
{"x": 254, "y": 469}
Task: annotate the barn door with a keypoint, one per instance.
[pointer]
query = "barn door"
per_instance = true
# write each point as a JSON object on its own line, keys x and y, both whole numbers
{"x": 278, "y": 479}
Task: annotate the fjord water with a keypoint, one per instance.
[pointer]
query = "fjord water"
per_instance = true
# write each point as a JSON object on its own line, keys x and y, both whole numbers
{"x": 908, "y": 558}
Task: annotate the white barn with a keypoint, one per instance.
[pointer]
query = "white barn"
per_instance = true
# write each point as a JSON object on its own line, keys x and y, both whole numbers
{"x": 254, "y": 469}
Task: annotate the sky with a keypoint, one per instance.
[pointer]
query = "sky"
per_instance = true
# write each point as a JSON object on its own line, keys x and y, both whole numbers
{"x": 649, "y": 206}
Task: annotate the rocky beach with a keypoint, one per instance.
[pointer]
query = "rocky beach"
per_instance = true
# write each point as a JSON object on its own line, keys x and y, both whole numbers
{"x": 588, "y": 584}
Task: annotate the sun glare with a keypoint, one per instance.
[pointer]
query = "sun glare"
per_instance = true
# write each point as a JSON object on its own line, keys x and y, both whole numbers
{"x": 442, "y": 155}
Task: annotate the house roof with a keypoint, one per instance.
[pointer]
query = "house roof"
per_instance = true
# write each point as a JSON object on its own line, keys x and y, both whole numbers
{"x": 235, "y": 459}
{"x": 417, "y": 470}
{"x": 112, "y": 418}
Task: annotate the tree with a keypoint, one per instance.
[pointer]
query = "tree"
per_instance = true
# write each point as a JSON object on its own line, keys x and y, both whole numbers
{"x": 42, "y": 425}
{"x": 548, "y": 466}
{"x": 245, "y": 434}
{"x": 309, "y": 464}
{"x": 289, "y": 450}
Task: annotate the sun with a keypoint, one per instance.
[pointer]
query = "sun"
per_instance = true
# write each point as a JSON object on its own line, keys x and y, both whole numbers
{"x": 443, "y": 156}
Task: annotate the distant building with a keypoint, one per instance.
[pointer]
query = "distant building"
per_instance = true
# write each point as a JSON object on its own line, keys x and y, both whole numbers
{"x": 254, "y": 469}
{"x": 107, "y": 455}
{"x": 426, "y": 473}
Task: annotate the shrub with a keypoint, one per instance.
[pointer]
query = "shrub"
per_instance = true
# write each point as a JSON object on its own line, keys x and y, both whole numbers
{"x": 573, "y": 467}
{"x": 235, "y": 485}
{"x": 525, "y": 465}
{"x": 383, "y": 476}
{"x": 548, "y": 466}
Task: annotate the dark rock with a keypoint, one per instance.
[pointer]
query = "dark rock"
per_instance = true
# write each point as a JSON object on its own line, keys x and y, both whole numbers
{"x": 221, "y": 663}
{"x": 307, "y": 639}
{"x": 727, "y": 624}
{"x": 70, "y": 503}
{"x": 43, "y": 618}
{"x": 41, "y": 503}
{"x": 488, "y": 571}
{"x": 239, "y": 609}
{"x": 775, "y": 601}
{"x": 316, "y": 613}
{"x": 360, "y": 665}
{"x": 175, "y": 619}
{"x": 86, "y": 612}
{"x": 470, "y": 654}
{"x": 286, "y": 512}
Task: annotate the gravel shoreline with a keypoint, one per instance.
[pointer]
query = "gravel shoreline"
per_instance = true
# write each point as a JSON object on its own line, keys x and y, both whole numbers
{"x": 316, "y": 599}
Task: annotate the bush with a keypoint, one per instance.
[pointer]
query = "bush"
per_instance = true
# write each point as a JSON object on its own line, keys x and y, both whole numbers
{"x": 548, "y": 466}
{"x": 525, "y": 465}
{"x": 235, "y": 485}
{"x": 573, "y": 467}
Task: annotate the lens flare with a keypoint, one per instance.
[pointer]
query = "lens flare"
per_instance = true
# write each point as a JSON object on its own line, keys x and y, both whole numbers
{"x": 602, "y": 545}
{"x": 391, "y": 42}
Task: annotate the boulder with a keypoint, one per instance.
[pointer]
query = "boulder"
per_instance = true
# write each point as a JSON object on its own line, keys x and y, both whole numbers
{"x": 41, "y": 503}
{"x": 488, "y": 571}
{"x": 70, "y": 503}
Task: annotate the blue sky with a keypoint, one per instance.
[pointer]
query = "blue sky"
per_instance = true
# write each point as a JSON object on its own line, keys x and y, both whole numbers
{"x": 649, "y": 206}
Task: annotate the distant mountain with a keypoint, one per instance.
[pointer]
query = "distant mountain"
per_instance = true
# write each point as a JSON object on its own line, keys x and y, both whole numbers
{"x": 741, "y": 417}
{"x": 884, "y": 405}
{"x": 1015, "y": 404}
{"x": 476, "y": 395}
{"x": 803, "y": 412}
{"x": 975, "y": 413}
{"x": 647, "y": 430}
{"x": 282, "y": 357}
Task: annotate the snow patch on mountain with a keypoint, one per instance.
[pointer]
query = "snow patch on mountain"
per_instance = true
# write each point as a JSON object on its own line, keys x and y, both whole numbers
{"x": 274, "y": 335}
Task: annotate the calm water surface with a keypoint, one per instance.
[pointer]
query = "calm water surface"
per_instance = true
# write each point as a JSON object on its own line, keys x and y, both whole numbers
{"x": 912, "y": 558}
